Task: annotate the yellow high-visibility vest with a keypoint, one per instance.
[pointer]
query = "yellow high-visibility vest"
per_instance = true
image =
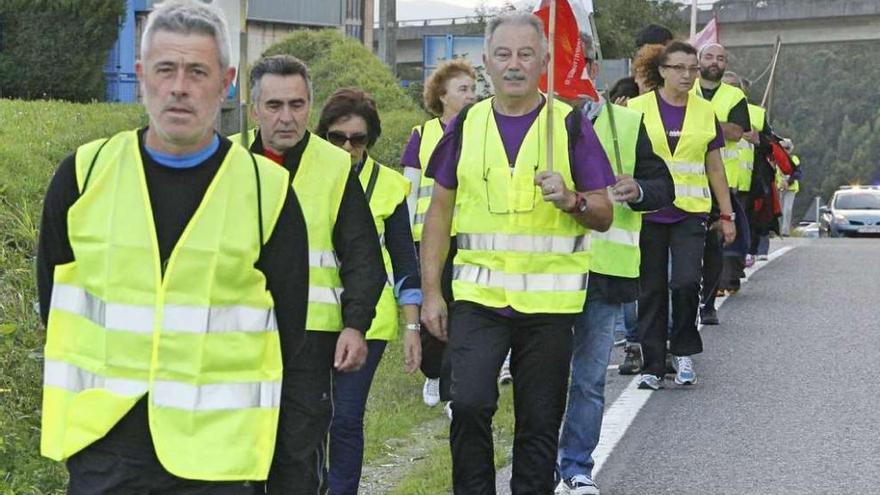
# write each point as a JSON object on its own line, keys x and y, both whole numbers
{"x": 201, "y": 338}
{"x": 514, "y": 248}
{"x": 726, "y": 97}
{"x": 688, "y": 164}
{"x": 430, "y": 134}
{"x": 319, "y": 184}
{"x": 389, "y": 189}
{"x": 616, "y": 251}
{"x": 747, "y": 149}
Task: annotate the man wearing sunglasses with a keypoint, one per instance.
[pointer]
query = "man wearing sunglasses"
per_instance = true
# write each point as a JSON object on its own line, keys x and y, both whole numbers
{"x": 344, "y": 253}
{"x": 731, "y": 109}
{"x": 520, "y": 273}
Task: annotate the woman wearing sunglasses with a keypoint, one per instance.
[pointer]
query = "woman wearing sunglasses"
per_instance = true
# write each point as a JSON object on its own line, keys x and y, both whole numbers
{"x": 450, "y": 88}
{"x": 350, "y": 120}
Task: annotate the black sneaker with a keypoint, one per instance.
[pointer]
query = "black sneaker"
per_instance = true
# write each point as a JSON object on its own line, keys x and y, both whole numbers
{"x": 709, "y": 316}
{"x": 632, "y": 361}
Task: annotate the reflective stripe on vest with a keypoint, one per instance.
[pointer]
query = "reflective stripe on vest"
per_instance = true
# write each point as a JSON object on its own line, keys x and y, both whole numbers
{"x": 515, "y": 249}
{"x": 389, "y": 191}
{"x": 207, "y": 397}
{"x": 757, "y": 116}
{"x": 617, "y": 236}
{"x": 524, "y": 243}
{"x": 319, "y": 184}
{"x": 691, "y": 184}
{"x": 431, "y": 132}
{"x": 520, "y": 282}
{"x": 323, "y": 259}
{"x": 120, "y": 326}
{"x": 75, "y": 379}
{"x": 616, "y": 251}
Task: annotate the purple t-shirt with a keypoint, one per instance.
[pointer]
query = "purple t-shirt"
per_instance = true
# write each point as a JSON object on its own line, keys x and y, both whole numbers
{"x": 673, "y": 120}
{"x": 410, "y": 157}
{"x": 590, "y": 168}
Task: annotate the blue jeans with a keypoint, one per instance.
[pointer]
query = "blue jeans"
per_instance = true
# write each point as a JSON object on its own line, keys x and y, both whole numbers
{"x": 350, "y": 391}
{"x": 764, "y": 245}
{"x": 591, "y": 351}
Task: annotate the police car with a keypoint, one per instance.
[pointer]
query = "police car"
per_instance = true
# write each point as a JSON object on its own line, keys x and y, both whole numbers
{"x": 853, "y": 210}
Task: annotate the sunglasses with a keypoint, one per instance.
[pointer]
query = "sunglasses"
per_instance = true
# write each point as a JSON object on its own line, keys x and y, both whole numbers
{"x": 339, "y": 138}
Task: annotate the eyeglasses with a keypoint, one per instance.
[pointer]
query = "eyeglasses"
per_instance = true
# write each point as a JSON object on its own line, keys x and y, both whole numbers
{"x": 681, "y": 69}
{"x": 339, "y": 138}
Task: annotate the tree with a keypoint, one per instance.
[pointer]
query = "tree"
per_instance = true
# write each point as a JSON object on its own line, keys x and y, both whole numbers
{"x": 56, "y": 48}
{"x": 618, "y": 22}
{"x": 826, "y": 101}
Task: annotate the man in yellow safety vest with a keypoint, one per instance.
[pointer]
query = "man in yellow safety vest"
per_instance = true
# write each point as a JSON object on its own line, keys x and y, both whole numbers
{"x": 168, "y": 268}
{"x": 520, "y": 273}
{"x": 346, "y": 269}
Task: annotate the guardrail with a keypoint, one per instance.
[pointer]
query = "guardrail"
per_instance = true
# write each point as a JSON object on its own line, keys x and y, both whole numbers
{"x": 440, "y": 21}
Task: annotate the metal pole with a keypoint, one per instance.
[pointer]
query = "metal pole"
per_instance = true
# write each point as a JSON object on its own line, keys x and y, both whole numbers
{"x": 693, "y": 19}
{"x": 818, "y": 201}
{"x": 242, "y": 80}
{"x": 618, "y": 166}
{"x": 772, "y": 74}
{"x": 551, "y": 38}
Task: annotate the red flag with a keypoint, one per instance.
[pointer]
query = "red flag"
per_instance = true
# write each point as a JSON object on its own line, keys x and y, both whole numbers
{"x": 708, "y": 35}
{"x": 569, "y": 60}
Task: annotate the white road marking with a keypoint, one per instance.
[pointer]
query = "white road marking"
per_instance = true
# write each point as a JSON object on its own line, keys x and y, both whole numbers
{"x": 618, "y": 418}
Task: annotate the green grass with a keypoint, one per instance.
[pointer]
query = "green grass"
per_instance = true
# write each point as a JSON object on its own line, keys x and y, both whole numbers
{"x": 34, "y": 137}
{"x": 406, "y": 442}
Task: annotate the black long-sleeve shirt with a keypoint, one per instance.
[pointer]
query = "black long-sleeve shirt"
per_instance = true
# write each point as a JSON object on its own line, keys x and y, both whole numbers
{"x": 356, "y": 244}
{"x": 175, "y": 194}
{"x": 400, "y": 245}
{"x": 658, "y": 191}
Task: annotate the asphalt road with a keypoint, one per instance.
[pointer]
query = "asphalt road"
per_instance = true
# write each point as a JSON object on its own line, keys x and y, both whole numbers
{"x": 787, "y": 399}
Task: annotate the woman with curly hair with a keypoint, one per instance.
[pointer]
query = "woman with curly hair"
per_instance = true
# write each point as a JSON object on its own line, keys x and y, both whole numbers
{"x": 450, "y": 88}
{"x": 684, "y": 132}
{"x": 646, "y": 67}
{"x": 350, "y": 120}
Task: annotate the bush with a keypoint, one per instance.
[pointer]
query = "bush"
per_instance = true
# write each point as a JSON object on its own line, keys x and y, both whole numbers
{"x": 56, "y": 48}
{"x": 34, "y": 137}
{"x": 336, "y": 61}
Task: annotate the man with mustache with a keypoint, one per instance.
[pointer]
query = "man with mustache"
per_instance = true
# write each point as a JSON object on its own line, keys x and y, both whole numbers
{"x": 731, "y": 109}
{"x": 346, "y": 269}
{"x": 520, "y": 273}
{"x": 169, "y": 270}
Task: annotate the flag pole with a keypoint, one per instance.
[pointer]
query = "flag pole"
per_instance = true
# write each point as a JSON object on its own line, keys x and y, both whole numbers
{"x": 242, "y": 80}
{"x": 609, "y": 105}
{"x": 693, "y": 19}
{"x": 764, "y": 100}
{"x": 551, "y": 41}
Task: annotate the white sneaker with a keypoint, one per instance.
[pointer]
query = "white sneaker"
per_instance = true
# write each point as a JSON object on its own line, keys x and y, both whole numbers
{"x": 580, "y": 485}
{"x": 431, "y": 392}
{"x": 504, "y": 376}
{"x": 684, "y": 370}
{"x": 561, "y": 489}
{"x": 448, "y": 410}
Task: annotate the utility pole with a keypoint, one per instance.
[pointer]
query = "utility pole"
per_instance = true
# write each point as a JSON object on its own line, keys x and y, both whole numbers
{"x": 368, "y": 26}
{"x": 388, "y": 33}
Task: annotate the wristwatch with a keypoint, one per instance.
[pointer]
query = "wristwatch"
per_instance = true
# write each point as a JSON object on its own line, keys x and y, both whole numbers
{"x": 414, "y": 327}
{"x": 580, "y": 204}
{"x": 729, "y": 218}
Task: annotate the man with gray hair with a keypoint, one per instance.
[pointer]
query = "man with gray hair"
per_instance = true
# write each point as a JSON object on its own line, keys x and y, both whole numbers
{"x": 344, "y": 254}
{"x": 520, "y": 275}
{"x": 170, "y": 268}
